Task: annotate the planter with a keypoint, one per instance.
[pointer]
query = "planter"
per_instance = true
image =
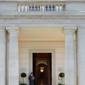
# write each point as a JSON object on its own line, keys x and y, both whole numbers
{"x": 60, "y": 84}
{"x": 23, "y": 84}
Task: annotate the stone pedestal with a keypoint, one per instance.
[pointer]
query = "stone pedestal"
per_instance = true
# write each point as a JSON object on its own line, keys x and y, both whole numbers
{"x": 69, "y": 56}
{"x": 81, "y": 55}
{"x": 13, "y": 61}
{"x": 2, "y": 56}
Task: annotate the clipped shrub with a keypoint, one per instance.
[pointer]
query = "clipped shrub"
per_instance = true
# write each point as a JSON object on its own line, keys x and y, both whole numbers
{"x": 62, "y": 75}
{"x": 23, "y": 75}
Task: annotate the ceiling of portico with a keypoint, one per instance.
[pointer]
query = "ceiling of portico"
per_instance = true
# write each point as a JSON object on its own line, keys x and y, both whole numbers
{"x": 41, "y": 34}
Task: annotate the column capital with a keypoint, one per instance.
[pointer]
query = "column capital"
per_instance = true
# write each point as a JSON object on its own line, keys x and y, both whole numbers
{"x": 69, "y": 29}
{"x": 12, "y": 29}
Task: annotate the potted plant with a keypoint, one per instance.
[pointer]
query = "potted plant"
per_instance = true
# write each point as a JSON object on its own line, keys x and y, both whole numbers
{"x": 60, "y": 84}
{"x": 23, "y": 75}
{"x": 61, "y": 75}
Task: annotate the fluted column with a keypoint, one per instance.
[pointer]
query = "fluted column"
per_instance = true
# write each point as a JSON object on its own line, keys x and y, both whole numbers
{"x": 13, "y": 61}
{"x": 81, "y": 55}
{"x": 69, "y": 56}
{"x": 2, "y": 56}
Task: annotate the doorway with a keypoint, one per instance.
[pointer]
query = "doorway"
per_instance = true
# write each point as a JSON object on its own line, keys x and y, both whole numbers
{"x": 42, "y": 68}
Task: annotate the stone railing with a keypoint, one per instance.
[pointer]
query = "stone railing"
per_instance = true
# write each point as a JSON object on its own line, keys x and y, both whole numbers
{"x": 49, "y": 6}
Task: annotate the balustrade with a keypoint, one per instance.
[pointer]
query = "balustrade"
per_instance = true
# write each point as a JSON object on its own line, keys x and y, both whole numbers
{"x": 41, "y": 7}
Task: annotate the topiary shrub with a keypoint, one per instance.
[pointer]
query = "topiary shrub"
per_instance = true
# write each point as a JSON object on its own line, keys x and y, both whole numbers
{"x": 61, "y": 75}
{"x": 23, "y": 75}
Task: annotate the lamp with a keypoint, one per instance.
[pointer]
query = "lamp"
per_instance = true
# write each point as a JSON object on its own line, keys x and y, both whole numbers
{"x": 41, "y": 69}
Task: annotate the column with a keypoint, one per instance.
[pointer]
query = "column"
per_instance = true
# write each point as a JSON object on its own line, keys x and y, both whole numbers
{"x": 69, "y": 56}
{"x": 2, "y": 56}
{"x": 13, "y": 61}
{"x": 81, "y": 55}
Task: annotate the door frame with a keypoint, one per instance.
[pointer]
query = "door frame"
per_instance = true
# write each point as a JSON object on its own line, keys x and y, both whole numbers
{"x": 52, "y": 51}
{"x": 49, "y": 58}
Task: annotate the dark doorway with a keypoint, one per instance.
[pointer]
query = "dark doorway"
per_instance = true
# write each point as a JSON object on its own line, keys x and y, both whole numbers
{"x": 42, "y": 68}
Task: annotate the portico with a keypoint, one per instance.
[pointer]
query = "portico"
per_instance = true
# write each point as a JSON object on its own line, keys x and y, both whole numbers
{"x": 14, "y": 67}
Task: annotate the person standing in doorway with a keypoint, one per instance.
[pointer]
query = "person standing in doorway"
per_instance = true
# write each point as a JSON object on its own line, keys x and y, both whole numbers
{"x": 31, "y": 79}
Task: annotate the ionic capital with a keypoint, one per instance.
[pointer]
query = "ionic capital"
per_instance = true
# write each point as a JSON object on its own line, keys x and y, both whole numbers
{"x": 69, "y": 29}
{"x": 12, "y": 29}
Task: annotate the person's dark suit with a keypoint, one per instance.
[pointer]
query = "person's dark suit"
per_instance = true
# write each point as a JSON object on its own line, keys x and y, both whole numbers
{"x": 31, "y": 81}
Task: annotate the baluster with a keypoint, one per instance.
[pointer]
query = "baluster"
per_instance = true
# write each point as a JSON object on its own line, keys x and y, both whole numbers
{"x": 40, "y": 7}
{"x": 48, "y": 7}
{"x": 56, "y": 7}
{"x": 51, "y": 7}
{"x": 63, "y": 7}
{"x": 37, "y": 7}
{"x": 43, "y": 8}
{"x": 34, "y": 7}
{"x": 26, "y": 7}
{"x": 30, "y": 7}
{"x": 22, "y": 7}
{"x": 19, "y": 7}
{"x": 60, "y": 7}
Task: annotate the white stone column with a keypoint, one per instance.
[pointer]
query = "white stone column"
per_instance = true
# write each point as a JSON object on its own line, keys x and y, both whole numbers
{"x": 69, "y": 56}
{"x": 81, "y": 55}
{"x": 13, "y": 60}
{"x": 2, "y": 56}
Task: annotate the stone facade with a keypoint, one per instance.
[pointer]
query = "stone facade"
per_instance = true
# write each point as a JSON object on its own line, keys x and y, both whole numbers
{"x": 16, "y": 47}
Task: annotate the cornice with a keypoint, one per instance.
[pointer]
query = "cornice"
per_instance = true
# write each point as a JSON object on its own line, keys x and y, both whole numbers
{"x": 63, "y": 14}
{"x": 38, "y": 1}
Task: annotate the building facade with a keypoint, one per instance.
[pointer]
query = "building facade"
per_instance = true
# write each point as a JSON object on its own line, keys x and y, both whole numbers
{"x": 44, "y": 35}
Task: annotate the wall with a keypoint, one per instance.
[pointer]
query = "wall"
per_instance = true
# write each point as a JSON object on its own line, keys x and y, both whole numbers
{"x": 58, "y": 57}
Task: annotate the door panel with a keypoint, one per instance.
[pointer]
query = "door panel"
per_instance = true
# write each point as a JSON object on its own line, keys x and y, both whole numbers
{"x": 42, "y": 62}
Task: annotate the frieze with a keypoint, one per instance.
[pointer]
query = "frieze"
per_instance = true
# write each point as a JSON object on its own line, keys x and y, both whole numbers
{"x": 42, "y": 21}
